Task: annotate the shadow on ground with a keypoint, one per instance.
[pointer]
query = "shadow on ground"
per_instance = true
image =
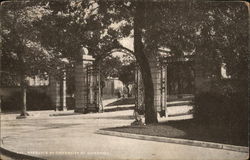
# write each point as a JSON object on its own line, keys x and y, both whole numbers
{"x": 119, "y": 108}
{"x": 123, "y": 101}
{"x": 187, "y": 129}
{"x": 125, "y": 117}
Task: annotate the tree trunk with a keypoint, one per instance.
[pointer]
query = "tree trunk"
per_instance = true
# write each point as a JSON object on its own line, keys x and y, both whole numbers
{"x": 22, "y": 82}
{"x": 20, "y": 54}
{"x": 150, "y": 111}
{"x": 23, "y": 104}
{"x": 23, "y": 94}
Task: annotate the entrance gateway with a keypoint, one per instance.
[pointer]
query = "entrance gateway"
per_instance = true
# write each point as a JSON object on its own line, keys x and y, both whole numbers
{"x": 159, "y": 72}
{"x": 88, "y": 89}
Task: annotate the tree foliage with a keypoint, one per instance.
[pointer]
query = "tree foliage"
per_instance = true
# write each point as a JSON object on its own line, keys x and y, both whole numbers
{"x": 215, "y": 31}
{"x": 75, "y": 24}
{"x": 126, "y": 73}
{"x": 22, "y": 52}
{"x": 110, "y": 67}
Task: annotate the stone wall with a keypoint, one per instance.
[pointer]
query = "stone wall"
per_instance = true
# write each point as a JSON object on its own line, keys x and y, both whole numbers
{"x": 53, "y": 90}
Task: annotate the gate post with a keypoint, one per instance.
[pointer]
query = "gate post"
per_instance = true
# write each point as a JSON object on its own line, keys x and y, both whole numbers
{"x": 156, "y": 78}
{"x": 159, "y": 78}
{"x": 54, "y": 92}
{"x": 158, "y": 73}
{"x": 93, "y": 98}
{"x": 81, "y": 82}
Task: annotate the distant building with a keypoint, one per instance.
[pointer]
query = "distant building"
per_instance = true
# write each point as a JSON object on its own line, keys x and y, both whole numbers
{"x": 37, "y": 81}
{"x": 112, "y": 87}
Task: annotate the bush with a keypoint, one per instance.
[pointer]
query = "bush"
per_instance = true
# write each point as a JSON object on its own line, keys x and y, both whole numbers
{"x": 12, "y": 103}
{"x": 38, "y": 101}
{"x": 227, "y": 109}
{"x": 70, "y": 103}
{"x": 35, "y": 101}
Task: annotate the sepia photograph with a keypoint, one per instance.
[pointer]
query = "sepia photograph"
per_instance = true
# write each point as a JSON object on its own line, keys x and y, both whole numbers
{"x": 124, "y": 80}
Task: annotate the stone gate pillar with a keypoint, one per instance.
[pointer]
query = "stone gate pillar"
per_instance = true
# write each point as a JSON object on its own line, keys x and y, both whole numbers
{"x": 158, "y": 73}
{"x": 156, "y": 78}
{"x": 92, "y": 83}
{"x": 54, "y": 92}
{"x": 81, "y": 82}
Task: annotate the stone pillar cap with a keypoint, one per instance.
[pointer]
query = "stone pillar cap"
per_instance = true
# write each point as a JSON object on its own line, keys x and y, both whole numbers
{"x": 87, "y": 58}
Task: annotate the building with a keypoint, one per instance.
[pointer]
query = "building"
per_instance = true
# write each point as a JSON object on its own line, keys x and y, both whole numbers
{"x": 113, "y": 87}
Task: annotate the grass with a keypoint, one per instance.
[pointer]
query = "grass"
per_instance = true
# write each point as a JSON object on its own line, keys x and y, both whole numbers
{"x": 189, "y": 129}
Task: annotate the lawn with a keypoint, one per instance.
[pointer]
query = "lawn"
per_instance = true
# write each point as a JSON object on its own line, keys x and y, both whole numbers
{"x": 189, "y": 129}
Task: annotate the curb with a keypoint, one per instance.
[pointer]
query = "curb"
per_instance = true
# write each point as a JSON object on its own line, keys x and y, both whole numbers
{"x": 18, "y": 156}
{"x": 176, "y": 140}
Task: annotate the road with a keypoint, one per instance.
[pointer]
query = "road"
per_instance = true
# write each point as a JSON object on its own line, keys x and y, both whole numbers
{"x": 72, "y": 136}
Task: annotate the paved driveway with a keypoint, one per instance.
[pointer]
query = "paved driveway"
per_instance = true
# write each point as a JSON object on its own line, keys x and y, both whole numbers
{"x": 72, "y": 136}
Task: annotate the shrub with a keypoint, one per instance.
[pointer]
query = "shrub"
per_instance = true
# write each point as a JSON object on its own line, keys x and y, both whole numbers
{"x": 207, "y": 107}
{"x": 227, "y": 109}
{"x": 38, "y": 101}
{"x": 35, "y": 101}
{"x": 70, "y": 103}
{"x": 12, "y": 103}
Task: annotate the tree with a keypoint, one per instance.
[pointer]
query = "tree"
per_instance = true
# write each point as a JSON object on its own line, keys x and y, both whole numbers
{"x": 211, "y": 30}
{"x": 76, "y": 24}
{"x": 22, "y": 53}
{"x": 140, "y": 55}
{"x": 110, "y": 66}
